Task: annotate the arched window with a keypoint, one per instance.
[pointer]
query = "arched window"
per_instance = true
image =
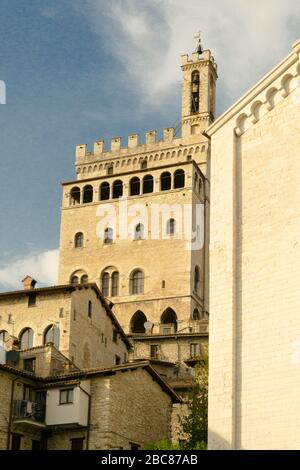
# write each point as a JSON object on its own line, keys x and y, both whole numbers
{"x": 196, "y": 314}
{"x": 148, "y": 184}
{"x": 104, "y": 191}
{"x": 165, "y": 181}
{"x": 26, "y": 338}
{"x": 74, "y": 280}
{"x": 196, "y": 279}
{"x": 171, "y": 227}
{"x": 105, "y": 284}
{"x": 75, "y": 196}
{"x": 4, "y": 336}
{"x": 115, "y": 284}
{"x": 137, "y": 282}
{"x": 78, "y": 240}
{"x": 52, "y": 335}
{"x": 139, "y": 232}
{"x": 137, "y": 323}
{"x": 135, "y": 186}
{"x": 87, "y": 194}
{"x": 169, "y": 321}
{"x": 117, "y": 189}
{"x": 84, "y": 279}
{"x": 144, "y": 164}
{"x": 195, "y": 92}
{"x": 108, "y": 236}
{"x": 179, "y": 179}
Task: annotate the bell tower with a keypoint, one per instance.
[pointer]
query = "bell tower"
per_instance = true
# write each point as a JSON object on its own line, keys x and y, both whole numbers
{"x": 198, "y": 91}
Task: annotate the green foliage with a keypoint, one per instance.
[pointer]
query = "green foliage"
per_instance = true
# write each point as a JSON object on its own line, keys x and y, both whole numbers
{"x": 162, "y": 445}
{"x": 194, "y": 425}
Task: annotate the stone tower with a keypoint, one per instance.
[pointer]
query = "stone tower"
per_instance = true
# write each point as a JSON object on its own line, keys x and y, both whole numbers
{"x": 133, "y": 222}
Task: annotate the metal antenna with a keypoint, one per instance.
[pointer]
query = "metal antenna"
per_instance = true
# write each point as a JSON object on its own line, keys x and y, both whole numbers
{"x": 199, "y": 48}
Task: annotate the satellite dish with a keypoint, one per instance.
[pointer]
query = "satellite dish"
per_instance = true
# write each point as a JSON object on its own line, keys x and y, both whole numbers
{"x": 148, "y": 325}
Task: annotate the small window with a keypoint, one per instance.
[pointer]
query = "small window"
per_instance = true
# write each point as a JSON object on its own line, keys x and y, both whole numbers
{"x": 75, "y": 196}
{"x": 195, "y": 349}
{"x": 110, "y": 170}
{"x": 179, "y": 179}
{"x": 196, "y": 279}
{"x": 139, "y": 232}
{"x": 115, "y": 336}
{"x": 66, "y": 396}
{"x": 154, "y": 351}
{"x": 108, "y": 236}
{"x": 117, "y": 189}
{"x": 171, "y": 227}
{"x": 148, "y": 184}
{"x": 90, "y": 309}
{"x": 29, "y": 364}
{"x": 104, "y": 191}
{"x": 74, "y": 280}
{"x": 16, "y": 442}
{"x": 167, "y": 331}
{"x": 78, "y": 240}
{"x": 115, "y": 284}
{"x": 135, "y": 186}
{"x": 84, "y": 279}
{"x": 137, "y": 282}
{"x": 77, "y": 443}
{"x": 118, "y": 360}
{"x": 144, "y": 165}
{"x": 32, "y": 299}
{"x": 26, "y": 338}
{"x": 165, "y": 181}
{"x": 87, "y": 194}
{"x": 105, "y": 284}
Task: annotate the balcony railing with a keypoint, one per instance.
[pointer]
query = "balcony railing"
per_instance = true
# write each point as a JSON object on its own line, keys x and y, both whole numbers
{"x": 28, "y": 411}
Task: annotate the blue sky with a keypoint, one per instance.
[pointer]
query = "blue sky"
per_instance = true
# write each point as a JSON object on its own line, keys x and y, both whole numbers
{"x": 77, "y": 71}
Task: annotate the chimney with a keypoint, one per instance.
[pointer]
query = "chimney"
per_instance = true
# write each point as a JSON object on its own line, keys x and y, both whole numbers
{"x": 28, "y": 283}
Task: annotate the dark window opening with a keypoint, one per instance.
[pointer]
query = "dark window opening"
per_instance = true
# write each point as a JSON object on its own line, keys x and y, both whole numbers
{"x": 115, "y": 336}
{"x": 105, "y": 284}
{"x": 75, "y": 196}
{"x": 118, "y": 360}
{"x": 90, "y": 309}
{"x": 16, "y": 442}
{"x": 29, "y": 364}
{"x": 77, "y": 443}
{"x": 137, "y": 324}
{"x": 179, "y": 179}
{"x": 104, "y": 191}
{"x": 154, "y": 351}
{"x": 32, "y": 299}
{"x": 108, "y": 236}
{"x": 87, "y": 194}
{"x": 139, "y": 232}
{"x": 117, "y": 189}
{"x": 78, "y": 242}
{"x": 195, "y": 92}
{"x": 169, "y": 318}
{"x": 84, "y": 279}
{"x": 171, "y": 227}
{"x": 148, "y": 184}
{"x": 165, "y": 181}
{"x": 115, "y": 284}
{"x": 135, "y": 186}
{"x": 196, "y": 279}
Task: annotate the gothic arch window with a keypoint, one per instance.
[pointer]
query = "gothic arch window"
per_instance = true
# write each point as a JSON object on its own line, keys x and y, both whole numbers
{"x": 148, "y": 184}
{"x": 137, "y": 282}
{"x": 117, "y": 189}
{"x": 165, "y": 181}
{"x": 137, "y": 323}
{"x": 108, "y": 236}
{"x": 26, "y": 338}
{"x": 78, "y": 240}
{"x": 195, "y": 92}
{"x": 87, "y": 194}
{"x": 115, "y": 284}
{"x": 104, "y": 191}
{"x": 105, "y": 284}
{"x": 135, "y": 186}
{"x": 171, "y": 227}
{"x": 196, "y": 279}
{"x": 179, "y": 179}
{"x": 75, "y": 196}
{"x": 52, "y": 335}
{"x": 196, "y": 314}
{"x": 169, "y": 321}
{"x": 139, "y": 232}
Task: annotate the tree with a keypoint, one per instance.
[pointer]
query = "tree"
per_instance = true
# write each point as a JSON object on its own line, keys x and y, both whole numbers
{"x": 194, "y": 425}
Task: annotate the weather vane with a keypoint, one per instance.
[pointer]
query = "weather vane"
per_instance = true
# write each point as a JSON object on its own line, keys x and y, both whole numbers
{"x": 199, "y": 45}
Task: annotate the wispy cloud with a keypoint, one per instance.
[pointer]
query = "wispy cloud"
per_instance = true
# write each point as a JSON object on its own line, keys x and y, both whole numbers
{"x": 41, "y": 266}
{"x": 147, "y": 38}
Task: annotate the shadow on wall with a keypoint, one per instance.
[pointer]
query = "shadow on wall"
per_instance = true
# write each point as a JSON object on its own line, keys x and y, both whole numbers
{"x": 217, "y": 442}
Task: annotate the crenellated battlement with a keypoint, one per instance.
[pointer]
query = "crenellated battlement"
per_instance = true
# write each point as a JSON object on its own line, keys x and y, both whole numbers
{"x": 133, "y": 145}
{"x": 196, "y": 58}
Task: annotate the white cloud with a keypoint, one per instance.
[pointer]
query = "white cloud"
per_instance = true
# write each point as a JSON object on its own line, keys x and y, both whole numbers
{"x": 41, "y": 266}
{"x": 147, "y": 37}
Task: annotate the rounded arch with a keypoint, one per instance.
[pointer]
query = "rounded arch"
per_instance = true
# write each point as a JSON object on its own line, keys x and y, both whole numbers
{"x": 117, "y": 189}
{"x": 78, "y": 277}
{"x": 286, "y": 84}
{"x": 87, "y": 194}
{"x": 270, "y": 97}
{"x": 52, "y": 335}
{"x": 137, "y": 279}
{"x": 26, "y": 338}
{"x": 196, "y": 314}
{"x": 134, "y": 186}
{"x": 241, "y": 124}
{"x": 84, "y": 279}
{"x": 78, "y": 240}
{"x": 179, "y": 179}
{"x": 148, "y": 184}
{"x": 104, "y": 193}
{"x": 75, "y": 196}
{"x": 256, "y": 110}
{"x": 137, "y": 322}
{"x": 165, "y": 181}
